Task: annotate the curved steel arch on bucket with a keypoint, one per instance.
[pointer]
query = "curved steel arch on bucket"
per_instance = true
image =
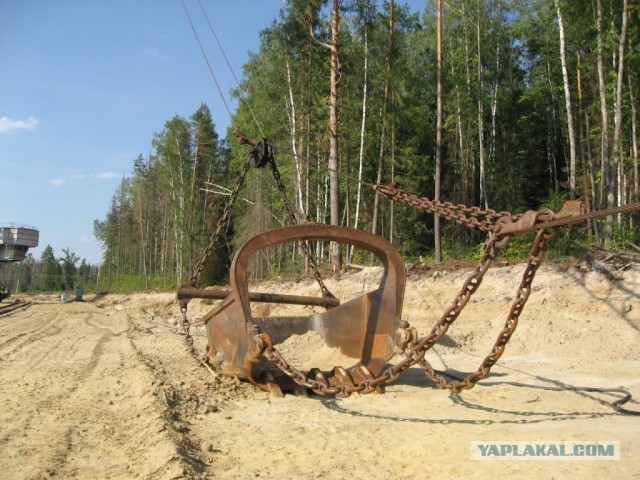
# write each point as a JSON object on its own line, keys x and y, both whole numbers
{"x": 363, "y": 328}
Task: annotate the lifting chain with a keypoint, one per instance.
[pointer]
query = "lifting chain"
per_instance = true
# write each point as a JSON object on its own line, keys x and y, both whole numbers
{"x": 536, "y": 255}
{"x": 294, "y": 221}
{"x": 415, "y": 350}
{"x": 502, "y": 226}
{"x": 260, "y": 155}
{"x": 193, "y": 279}
{"x": 472, "y": 217}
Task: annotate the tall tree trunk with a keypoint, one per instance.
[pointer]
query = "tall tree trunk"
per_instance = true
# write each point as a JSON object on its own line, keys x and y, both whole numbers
{"x": 471, "y": 162}
{"x": 319, "y": 212}
{"x": 614, "y": 163}
{"x": 192, "y": 202}
{"x": 634, "y": 138}
{"x": 383, "y": 128}
{"x": 483, "y": 174}
{"x": 592, "y": 175}
{"x": 362, "y": 131}
{"x": 376, "y": 199}
{"x": 307, "y": 142}
{"x": 335, "y": 249}
{"x": 615, "y": 176}
{"x": 334, "y": 191}
{"x": 438, "y": 172}
{"x": 294, "y": 141}
{"x": 143, "y": 239}
{"x": 603, "y": 107}
{"x": 567, "y": 101}
{"x": 464, "y": 166}
{"x": 586, "y": 172}
{"x": 551, "y": 143}
{"x": 393, "y": 168}
{"x": 494, "y": 108}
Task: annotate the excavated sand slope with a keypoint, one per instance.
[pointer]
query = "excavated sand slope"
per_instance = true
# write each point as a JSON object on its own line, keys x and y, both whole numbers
{"x": 104, "y": 388}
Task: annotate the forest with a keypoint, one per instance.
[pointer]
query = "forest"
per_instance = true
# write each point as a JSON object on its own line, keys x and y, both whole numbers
{"x": 510, "y": 105}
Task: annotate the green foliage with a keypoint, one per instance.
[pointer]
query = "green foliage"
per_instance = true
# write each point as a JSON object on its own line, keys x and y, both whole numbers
{"x": 162, "y": 215}
{"x": 69, "y": 269}
{"x": 502, "y": 72}
{"x": 518, "y": 248}
{"x": 137, "y": 283}
{"x": 623, "y": 236}
{"x": 49, "y": 274}
{"x": 51, "y": 271}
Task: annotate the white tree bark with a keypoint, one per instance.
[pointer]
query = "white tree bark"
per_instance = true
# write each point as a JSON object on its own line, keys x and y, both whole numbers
{"x": 294, "y": 149}
{"x": 494, "y": 107}
{"x": 483, "y": 176}
{"x": 362, "y": 131}
{"x": 604, "y": 111}
{"x": 438, "y": 172}
{"x": 634, "y": 139}
{"x": 617, "y": 118}
{"x": 567, "y": 101}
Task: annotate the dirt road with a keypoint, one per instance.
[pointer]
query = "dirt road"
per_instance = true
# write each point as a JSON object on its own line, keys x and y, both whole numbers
{"x": 104, "y": 389}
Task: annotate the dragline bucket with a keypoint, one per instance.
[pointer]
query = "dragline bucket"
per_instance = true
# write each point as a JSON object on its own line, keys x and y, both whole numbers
{"x": 365, "y": 330}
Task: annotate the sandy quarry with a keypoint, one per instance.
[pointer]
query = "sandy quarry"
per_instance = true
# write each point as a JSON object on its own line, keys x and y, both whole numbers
{"x": 104, "y": 389}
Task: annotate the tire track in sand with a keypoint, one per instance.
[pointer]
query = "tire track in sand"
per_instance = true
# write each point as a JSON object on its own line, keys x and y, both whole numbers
{"x": 63, "y": 419}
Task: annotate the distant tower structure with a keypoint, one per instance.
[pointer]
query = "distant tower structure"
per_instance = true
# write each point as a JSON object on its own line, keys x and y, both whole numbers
{"x": 15, "y": 240}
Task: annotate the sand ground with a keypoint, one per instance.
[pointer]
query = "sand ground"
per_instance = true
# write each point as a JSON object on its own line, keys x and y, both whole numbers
{"x": 104, "y": 389}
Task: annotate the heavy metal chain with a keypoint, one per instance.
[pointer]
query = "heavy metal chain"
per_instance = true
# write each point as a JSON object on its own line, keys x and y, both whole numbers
{"x": 294, "y": 221}
{"x": 413, "y": 354}
{"x": 543, "y": 222}
{"x": 222, "y": 221}
{"x": 258, "y": 157}
{"x": 415, "y": 349}
{"x": 473, "y": 217}
{"x": 193, "y": 279}
{"x": 536, "y": 255}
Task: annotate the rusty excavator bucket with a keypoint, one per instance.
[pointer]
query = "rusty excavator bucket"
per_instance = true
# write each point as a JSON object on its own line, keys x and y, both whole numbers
{"x": 366, "y": 330}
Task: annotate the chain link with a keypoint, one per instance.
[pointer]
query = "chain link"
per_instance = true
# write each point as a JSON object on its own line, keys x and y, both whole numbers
{"x": 221, "y": 223}
{"x": 472, "y": 217}
{"x": 294, "y": 221}
{"x": 193, "y": 279}
{"x": 407, "y": 341}
{"x": 524, "y": 290}
{"x": 415, "y": 350}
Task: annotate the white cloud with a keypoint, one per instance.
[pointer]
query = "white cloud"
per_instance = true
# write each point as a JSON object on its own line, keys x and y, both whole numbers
{"x": 109, "y": 175}
{"x": 101, "y": 175}
{"x": 151, "y": 52}
{"x": 7, "y": 124}
{"x": 58, "y": 182}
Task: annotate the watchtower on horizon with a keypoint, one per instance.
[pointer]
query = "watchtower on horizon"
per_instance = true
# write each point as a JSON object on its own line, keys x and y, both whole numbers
{"x": 16, "y": 240}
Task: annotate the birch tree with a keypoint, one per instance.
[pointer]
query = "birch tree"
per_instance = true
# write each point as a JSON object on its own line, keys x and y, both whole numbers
{"x": 367, "y": 8}
{"x": 438, "y": 172}
{"x": 567, "y": 99}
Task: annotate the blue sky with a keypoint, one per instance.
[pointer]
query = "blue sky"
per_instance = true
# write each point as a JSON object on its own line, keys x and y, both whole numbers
{"x": 85, "y": 84}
